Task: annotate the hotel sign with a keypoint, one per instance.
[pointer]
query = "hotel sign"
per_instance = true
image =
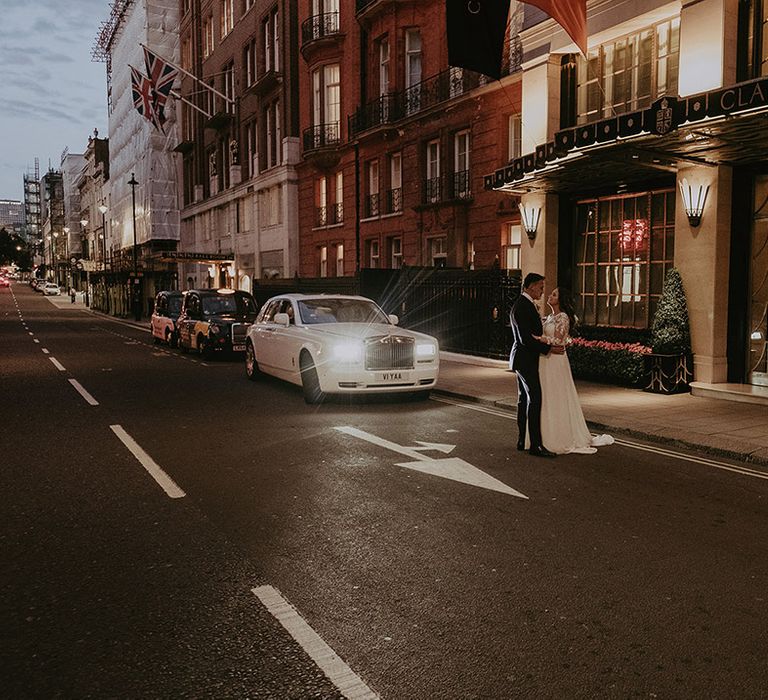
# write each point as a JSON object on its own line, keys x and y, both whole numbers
{"x": 664, "y": 116}
{"x": 201, "y": 257}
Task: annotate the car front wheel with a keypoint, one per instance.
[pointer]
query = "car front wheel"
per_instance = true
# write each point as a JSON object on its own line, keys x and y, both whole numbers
{"x": 310, "y": 382}
{"x": 171, "y": 338}
{"x": 252, "y": 370}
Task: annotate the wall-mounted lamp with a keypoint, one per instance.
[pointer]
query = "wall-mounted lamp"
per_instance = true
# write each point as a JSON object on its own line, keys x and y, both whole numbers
{"x": 530, "y": 219}
{"x": 694, "y": 198}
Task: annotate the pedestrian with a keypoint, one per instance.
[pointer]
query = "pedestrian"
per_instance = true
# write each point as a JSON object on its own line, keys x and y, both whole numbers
{"x": 72, "y": 295}
{"x": 524, "y": 359}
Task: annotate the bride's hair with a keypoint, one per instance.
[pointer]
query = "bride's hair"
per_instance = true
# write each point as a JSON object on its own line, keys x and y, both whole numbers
{"x": 568, "y": 306}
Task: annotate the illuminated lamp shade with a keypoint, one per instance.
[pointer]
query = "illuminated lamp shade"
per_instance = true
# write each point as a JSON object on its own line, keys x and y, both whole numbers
{"x": 211, "y": 271}
{"x": 694, "y": 198}
{"x": 530, "y": 219}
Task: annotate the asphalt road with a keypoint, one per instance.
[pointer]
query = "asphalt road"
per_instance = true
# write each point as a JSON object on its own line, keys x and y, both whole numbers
{"x": 629, "y": 573}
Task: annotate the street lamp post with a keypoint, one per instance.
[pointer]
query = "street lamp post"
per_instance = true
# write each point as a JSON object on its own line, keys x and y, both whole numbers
{"x": 86, "y": 259}
{"x": 54, "y": 256}
{"x": 67, "y": 267}
{"x": 136, "y": 291}
{"x": 105, "y": 300}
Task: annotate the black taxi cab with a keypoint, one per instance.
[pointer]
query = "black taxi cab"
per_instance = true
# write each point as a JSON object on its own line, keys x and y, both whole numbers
{"x": 215, "y": 319}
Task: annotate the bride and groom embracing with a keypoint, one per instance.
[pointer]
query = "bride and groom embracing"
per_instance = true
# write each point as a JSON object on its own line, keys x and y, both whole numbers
{"x": 548, "y": 408}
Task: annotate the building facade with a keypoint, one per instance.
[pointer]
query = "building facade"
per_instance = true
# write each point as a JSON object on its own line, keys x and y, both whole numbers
{"x": 664, "y": 109}
{"x": 12, "y": 215}
{"x": 142, "y": 201}
{"x": 54, "y": 246}
{"x": 395, "y": 143}
{"x": 239, "y": 140}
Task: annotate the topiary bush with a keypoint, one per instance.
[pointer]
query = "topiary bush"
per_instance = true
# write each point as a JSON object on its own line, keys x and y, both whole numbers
{"x": 670, "y": 333}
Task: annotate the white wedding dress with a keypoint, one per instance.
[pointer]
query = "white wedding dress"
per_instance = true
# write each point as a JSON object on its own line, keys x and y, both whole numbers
{"x": 563, "y": 428}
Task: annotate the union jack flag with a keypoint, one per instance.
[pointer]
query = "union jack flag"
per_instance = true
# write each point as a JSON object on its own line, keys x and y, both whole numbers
{"x": 141, "y": 89}
{"x": 162, "y": 75}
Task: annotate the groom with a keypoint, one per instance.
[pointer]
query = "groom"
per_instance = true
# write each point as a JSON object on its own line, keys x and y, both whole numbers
{"x": 524, "y": 359}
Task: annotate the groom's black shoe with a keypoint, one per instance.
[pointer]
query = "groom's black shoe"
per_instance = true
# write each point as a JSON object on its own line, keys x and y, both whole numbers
{"x": 521, "y": 446}
{"x": 540, "y": 451}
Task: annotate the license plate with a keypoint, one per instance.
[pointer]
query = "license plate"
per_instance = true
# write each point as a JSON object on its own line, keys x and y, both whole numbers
{"x": 392, "y": 377}
{"x": 238, "y": 348}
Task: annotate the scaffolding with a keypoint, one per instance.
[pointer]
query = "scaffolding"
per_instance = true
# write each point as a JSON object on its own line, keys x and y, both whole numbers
{"x": 109, "y": 30}
{"x": 32, "y": 205}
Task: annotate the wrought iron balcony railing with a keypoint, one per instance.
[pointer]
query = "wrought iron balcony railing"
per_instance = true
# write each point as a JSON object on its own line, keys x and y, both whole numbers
{"x": 392, "y": 107}
{"x": 433, "y": 190}
{"x": 319, "y": 27}
{"x": 394, "y": 201}
{"x": 461, "y": 185}
{"x": 372, "y": 205}
{"x": 330, "y": 215}
{"x": 322, "y": 136}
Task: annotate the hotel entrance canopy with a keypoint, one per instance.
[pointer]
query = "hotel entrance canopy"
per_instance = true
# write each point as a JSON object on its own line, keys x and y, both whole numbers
{"x": 728, "y": 126}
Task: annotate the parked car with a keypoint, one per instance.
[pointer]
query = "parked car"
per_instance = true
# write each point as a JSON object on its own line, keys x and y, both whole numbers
{"x": 163, "y": 322}
{"x": 339, "y": 345}
{"x": 51, "y": 289}
{"x": 215, "y": 319}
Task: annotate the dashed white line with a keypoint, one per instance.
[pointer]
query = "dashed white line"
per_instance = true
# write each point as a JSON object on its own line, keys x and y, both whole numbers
{"x": 36, "y": 340}
{"x": 81, "y": 390}
{"x": 57, "y": 364}
{"x": 31, "y": 333}
{"x": 341, "y": 675}
{"x": 168, "y": 485}
{"x": 46, "y": 351}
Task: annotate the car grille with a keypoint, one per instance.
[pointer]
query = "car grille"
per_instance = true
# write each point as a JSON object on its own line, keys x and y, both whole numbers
{"x": 389, "y": 352}
{"x": 239, "y": 332}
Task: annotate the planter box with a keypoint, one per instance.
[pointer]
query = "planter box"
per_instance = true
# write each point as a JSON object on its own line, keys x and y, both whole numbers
{"x": 669, "y": 374}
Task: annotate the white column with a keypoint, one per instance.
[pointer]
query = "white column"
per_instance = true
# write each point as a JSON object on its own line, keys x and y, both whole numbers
{"x": 702, "y": 256}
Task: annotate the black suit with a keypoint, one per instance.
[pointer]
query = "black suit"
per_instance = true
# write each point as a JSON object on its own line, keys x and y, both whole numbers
{"x": 526, "y": 350}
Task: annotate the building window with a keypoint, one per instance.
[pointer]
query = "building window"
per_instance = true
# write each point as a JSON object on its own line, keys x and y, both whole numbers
{"x": 396, "y": 253}
{"x": 372, "y": 188}
{"x": 438, "y": 251}
{"x": 395, "y": 193}
{"x": 251, "y": 153}
{"x": 624, "y": 247}
{"x": 186, "y": 53}
{"x": 629, "y": 73}
{"x": 340, "y": 260}
{"x": 273, "y": 135}
{"x": 432, "y": 183}
{"x": 384, "y": 66}
{"x": 228, "y": 85}
{"x": 324, "y": 261}
{"x": 249, "y": 62}
{"x": 326, "y": 101}
{"x": 512, "y": 241}
{"x": 372, "y": 253}
{"x": 338, "y": 207}
{"x": 208, "y": 36}
{"x": 514, "y": 136}
{"x": 461, "y": 189}
{"x": 269, "y": 30}
{"x": 227, "y": 17}
{"x": 412, "y": 70}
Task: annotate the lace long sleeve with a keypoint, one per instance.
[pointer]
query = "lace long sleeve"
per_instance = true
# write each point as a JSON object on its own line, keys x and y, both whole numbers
{"x": 562, "y": 327}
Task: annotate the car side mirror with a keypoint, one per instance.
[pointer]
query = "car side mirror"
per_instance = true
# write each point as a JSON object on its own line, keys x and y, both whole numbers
{"x": 282, "y": 319}
{"x": 393, "y": 319}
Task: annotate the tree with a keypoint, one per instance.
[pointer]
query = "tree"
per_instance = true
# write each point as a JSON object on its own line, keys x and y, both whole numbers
{"x": 671, "y": 333}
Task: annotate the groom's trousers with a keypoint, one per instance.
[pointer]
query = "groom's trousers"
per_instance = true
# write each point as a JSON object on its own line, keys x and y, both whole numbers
{"x": 529, "y": 405}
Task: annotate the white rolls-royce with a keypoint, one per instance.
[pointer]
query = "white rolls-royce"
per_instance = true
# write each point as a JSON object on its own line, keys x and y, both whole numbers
{"x": 338, "y": 344}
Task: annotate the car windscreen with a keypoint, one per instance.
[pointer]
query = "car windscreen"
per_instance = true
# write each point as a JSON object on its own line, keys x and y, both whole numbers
{"x": 228, "y": 304}
{"x": 340, "y": 311}
{"x": 174, "y": 306}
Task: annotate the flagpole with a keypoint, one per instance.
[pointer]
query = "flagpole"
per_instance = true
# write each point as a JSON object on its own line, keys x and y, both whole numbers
{"x": 194, "y": 77}
{"x": 191, "y": 104}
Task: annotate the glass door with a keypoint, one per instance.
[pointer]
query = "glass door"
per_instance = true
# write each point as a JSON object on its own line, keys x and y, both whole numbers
{"x": 758, "y": 300}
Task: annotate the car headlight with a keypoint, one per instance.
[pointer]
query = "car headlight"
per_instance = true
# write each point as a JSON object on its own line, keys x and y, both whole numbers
{"x": 351, "y": 351}
{"x": 425, "y": 351}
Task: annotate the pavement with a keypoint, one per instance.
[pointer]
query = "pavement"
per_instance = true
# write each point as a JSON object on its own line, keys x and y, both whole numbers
{"x": 721, "y": 427}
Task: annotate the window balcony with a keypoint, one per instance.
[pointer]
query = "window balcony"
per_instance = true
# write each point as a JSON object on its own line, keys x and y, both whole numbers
{"x": 220, "y": 121}
{"x": 429, "y": 93}
{"x": 461, "y": 185}
{"x": 322, "y": 137}
{"x": 319, "y": 30}
{"x": 372, "y": 206}
{"x": 266, "y": 82}
{"x": 394, "y": 201}
{"x": 433, "y": 190}
{"x": 330, "y": 215}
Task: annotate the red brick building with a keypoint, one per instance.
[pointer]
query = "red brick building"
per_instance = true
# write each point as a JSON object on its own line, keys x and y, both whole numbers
{"x": 395, "y": 143}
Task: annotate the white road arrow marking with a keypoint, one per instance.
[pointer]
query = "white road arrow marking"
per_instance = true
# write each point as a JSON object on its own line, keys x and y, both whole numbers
{"x": 439, "y": 446}
{"x": 452, "y": 468}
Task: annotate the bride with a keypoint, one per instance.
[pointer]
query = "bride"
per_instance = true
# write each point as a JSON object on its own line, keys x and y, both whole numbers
{"x": 563, "y": 428}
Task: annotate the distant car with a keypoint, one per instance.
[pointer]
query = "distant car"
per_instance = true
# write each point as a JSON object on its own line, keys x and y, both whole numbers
{"x": 339, "y": 345}
{"x": 50, "y": 289}
{"x": 35, "y": 281}
{"x": 215, "y": 319}
{"x": 164, "y": 317}
{"x": 4, "y": 282}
